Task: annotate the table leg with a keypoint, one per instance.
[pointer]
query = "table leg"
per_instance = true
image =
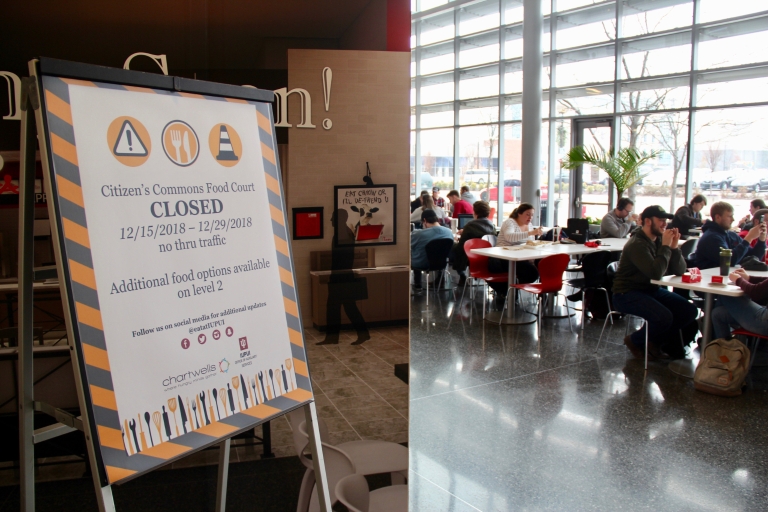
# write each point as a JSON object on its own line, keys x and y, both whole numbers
{"x": 512, "y": 317}
{"x": 686, "y": 367}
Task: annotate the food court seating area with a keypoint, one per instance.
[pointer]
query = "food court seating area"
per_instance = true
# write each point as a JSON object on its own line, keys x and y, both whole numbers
{"x": 532, "y": 417}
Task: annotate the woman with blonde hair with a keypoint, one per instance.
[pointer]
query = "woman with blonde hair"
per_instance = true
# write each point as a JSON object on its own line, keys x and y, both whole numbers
{"x": 427, "y": 203}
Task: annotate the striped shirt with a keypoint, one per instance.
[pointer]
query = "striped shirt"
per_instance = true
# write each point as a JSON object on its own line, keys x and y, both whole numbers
{"x": 512, "y": 234}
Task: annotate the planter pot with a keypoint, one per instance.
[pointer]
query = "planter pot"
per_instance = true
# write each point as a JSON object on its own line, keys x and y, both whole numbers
{"x": 594, "y": 229}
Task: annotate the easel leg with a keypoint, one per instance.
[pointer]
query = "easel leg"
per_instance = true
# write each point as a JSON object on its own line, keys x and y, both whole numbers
{"x": 26, "y": 277}
{"x": 315, "y": 444}
{"x": 221, "y": 485}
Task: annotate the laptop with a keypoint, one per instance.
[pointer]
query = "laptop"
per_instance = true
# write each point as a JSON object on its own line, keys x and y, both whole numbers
{"x": 369, "y": 232}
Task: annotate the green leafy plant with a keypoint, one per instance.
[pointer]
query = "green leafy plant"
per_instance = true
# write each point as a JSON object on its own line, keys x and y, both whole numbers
{"x": 594, "y": 220}
{"x": 623, "y": 168}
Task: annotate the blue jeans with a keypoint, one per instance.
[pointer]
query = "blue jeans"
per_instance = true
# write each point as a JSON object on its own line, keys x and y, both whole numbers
{"x": 663, "y": 311}
{"x": 740, "y": 311}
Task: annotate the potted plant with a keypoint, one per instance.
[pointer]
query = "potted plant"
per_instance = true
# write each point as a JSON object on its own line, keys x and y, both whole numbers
{"x": 622, "y": 168}
{"x": 594, "y": 225}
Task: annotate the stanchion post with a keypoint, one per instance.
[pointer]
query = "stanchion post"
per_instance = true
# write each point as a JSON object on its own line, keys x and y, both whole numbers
{"x": 223, "y": 476}
{"x": 26, "y": 277}
{"x": 316, "y": 445}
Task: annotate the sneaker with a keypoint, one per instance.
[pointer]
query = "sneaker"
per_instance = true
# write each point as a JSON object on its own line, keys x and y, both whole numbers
{"x": 636, "y": 351}
{"x": 575, "y": 297}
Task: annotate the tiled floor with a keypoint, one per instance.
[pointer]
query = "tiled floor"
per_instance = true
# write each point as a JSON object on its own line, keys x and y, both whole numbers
{"x": 504, "y": 420}
{"x": 356, "y": 393}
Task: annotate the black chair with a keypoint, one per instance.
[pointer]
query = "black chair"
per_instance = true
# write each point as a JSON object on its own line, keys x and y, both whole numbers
{"x": 437, "y": 255}
{"x": 595, "y": 268}
{"x": 688, "y": 249}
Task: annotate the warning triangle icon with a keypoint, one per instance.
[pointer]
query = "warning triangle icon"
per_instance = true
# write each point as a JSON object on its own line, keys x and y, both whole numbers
{"x": 128, "y": 143}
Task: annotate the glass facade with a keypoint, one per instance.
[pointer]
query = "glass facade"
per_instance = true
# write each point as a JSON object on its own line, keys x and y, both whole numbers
{"x": 687, "y": 79}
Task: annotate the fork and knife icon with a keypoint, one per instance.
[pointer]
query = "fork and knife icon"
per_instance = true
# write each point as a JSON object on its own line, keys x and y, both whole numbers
{"x": 178, "y": 140}
{"x": 178, "y": 146}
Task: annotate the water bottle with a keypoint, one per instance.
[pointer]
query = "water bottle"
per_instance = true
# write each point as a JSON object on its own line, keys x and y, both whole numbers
{"x": 725, "y": 261}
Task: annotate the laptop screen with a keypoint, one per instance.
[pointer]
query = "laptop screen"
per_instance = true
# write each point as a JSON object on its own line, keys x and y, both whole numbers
{"x": 464, "y": 218}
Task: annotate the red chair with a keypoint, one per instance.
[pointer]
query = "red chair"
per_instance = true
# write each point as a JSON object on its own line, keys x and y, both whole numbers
{"x": 551, "y": 271}
{"x": 750, "y": 336}
{"x": 478, "y": 267}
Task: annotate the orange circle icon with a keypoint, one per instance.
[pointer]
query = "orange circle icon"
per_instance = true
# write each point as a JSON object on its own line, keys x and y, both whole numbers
{"x": 128, "y": 141}
{"x": 180, "y": 143}
{"x": 225, "y": 145}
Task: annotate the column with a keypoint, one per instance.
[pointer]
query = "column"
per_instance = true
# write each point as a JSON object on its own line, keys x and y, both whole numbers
{"x": 532, "y": 98}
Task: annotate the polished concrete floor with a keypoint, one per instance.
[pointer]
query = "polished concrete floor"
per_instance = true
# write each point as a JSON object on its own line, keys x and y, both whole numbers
{"x": 504, "y": 420}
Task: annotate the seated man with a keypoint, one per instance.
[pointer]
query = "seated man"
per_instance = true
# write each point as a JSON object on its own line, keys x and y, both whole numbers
{"x": 688, "y": 216}
{"x": 477, "y": 228}
{"x": 651, "y": 253}
{"x": 432, "y": 230}
{"x": 620, "y": 221}
{"x": 467, "y": 195}
{"x": 716, "y": 234}
{"x": 747, "y": 311}
{"x": 459, "y": 205}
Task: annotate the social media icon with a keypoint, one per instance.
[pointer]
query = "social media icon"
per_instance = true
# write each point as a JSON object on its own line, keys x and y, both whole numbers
{"x": 201, "y": 339}
{"x": 216, "y": 334}
{"x": 230, "y": 331}
{"x": 185, "y": 343}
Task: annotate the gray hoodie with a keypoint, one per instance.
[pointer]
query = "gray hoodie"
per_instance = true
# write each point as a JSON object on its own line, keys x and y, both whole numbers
{"x": 469, "y": 197}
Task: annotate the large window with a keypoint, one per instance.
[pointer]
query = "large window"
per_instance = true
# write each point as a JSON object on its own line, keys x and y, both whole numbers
{"x": 692, "y": 91}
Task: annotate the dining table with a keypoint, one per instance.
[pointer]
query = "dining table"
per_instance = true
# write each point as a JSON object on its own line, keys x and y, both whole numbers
{"x": 524, "y": 252}
{"x": 686, "y": 367}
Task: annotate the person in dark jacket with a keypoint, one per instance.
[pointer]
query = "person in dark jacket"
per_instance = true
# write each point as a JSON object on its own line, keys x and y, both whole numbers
{"x": 688, "y": 216}
{"x": 651, "y": 253}
{"x": 747, "y": 311}
{"x": 416, "y": 203}
{"x": 716, "y": 234}
{"x": 477, "y": 228}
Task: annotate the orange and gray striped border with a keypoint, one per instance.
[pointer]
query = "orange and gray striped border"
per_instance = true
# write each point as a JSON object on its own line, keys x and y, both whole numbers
{"x": 88, "y": 327}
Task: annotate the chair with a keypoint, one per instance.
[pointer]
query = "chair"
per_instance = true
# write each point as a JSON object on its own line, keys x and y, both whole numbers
{"x": 368, "y": 457}
{"x": 551, "y": 271}
{"x": 352, "y": 491}
{"x": 337, "y": 466}
{"x": 642, "y": 323}
{"x": 689, "y": 246}
{"x": 437, "y": 255}
{"x": 750, "y": 336}
{"x": 478, "y": 267}
{"x": 595, "y": 268}
{"x": 491, "y": 239}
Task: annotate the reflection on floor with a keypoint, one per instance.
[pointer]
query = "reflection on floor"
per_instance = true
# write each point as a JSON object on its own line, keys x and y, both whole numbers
{"x": 503, "y": 420}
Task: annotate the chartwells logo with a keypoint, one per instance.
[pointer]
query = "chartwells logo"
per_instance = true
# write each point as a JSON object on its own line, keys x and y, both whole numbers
{"x": 190, "y": 375}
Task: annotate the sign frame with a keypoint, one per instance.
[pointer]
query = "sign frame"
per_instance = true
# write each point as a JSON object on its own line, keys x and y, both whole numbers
{"x": 355, "y": 218}
{"x": 97, "y": 402}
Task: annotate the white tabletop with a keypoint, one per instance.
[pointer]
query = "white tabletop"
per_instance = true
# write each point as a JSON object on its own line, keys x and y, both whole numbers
{"x": 706, "y": 286}
{"x": 542, "y": 251}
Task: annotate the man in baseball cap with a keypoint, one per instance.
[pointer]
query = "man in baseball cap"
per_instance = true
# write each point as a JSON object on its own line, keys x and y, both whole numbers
{"x": 651, "y": 253}
{"x": 439, "y": 201}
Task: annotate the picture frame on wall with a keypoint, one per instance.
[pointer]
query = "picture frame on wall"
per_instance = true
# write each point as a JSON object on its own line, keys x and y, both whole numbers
{"x": 369, "y": 214}
{"x": 308, "y": 223}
